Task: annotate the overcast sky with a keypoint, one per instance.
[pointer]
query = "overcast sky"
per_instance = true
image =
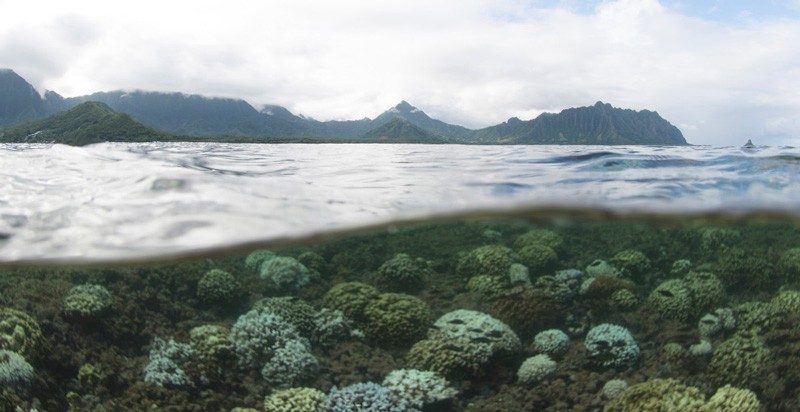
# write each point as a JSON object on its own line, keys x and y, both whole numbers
{"x": 722, "y": 71}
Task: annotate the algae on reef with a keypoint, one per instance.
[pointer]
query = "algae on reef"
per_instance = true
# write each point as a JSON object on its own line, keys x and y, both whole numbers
{"x": 563, "y": 313}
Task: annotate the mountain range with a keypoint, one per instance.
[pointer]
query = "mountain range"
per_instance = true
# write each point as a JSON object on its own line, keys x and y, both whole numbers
{"x": 196, "y": 117}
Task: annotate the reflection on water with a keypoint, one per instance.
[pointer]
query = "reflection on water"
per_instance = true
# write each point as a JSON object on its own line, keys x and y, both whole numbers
{"x": 500, "y": 314}
{"x": 113, "y": 201}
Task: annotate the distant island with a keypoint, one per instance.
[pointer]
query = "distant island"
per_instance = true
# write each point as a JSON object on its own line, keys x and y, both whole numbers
{"x": 137, "y": 116}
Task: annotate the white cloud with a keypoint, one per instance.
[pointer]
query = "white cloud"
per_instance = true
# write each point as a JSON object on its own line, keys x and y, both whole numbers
{"x": 475, "y": 62}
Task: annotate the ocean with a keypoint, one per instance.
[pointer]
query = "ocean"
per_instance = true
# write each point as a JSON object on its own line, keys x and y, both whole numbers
{"x": 350, "y": 277}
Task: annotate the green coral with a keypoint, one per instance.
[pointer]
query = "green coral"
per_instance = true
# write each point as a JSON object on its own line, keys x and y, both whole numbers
{"x": 539, "y": 259}
{"x": 295, "y": 400}
{"x": 790, "y": 263}
{"x": 402, "y": 273}
{"x": 657, "y": 395}
{"x": 488, "y": 287}
{"x": 254, "y": 260}
{"x": 741, "y": 360}
{"x": 283, "y": 272}
{"x": 87, "y": 301}
{"x": 543, "y": 237}
{"x": 217, "y": 287}
{"x": 742, "y": 269}
{"x": 730, "y": 399}
{"x": 448, "y": 356}
{"x": 764, "y": 316}
{"x": 351, "y": 298}
{"x": 211, "y": 342}
{"x": 712, "y": 239}
{"x": 313, "y": 261}
{"x": 686, "y": 298}
{"x": 624, "y": 299}
{"x": 396, "y": 319}
{"x": 19, "y": 332}
{"x": 291, "y": 309}
{"x": 489, "y": 260}
{"x": 631, "y": 262}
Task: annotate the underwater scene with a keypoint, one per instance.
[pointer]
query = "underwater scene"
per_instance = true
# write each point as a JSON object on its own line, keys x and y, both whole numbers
{"x": 517, "y": 312}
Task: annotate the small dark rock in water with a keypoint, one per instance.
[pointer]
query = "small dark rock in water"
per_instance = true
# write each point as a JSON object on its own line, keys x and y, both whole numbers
{"x": 749, "y": 145}
{"x": 160, "y": 185}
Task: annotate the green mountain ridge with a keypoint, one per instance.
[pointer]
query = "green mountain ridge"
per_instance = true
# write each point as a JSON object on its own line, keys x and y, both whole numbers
{"x": 399, "y": 130}
{"x": 178, "y": 116}
{"x": 90, "y": 122}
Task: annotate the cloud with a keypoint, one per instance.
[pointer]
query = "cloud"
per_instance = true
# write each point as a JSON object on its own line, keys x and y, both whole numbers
{"x": 474, "y": 62}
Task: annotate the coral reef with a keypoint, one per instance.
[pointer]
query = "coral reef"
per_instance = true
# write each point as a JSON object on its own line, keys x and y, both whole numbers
{"x": 611, "y": 346}
{"x": 351, "y": 298}
{"x": 19, "y": 332}
{"x": 539, "y": 259}
{"x": 489, "y": 260}
{"x": 291, "y": 309}
{"x": 14, "y": 369}
{"x": 284, "y": 272}
{"x": 165, "y": 366}
{"x": 291, "y": 364}
{"x": 217, "y": 287}
{"x": 552, "y": 342}
{"x": 536, "y": 368}
{"x": 256, "y": 336}
{"x": 87, "y": 301}
{"x": 449, "y": 356}
{"x": 295, "y": 400}
{"x": 396, "y": 319}
{"x": 476, "y": 327}
{"x": 416, "y": 388}
{"x": 631, "y": 262}
{"x": 367, "y": 397}
{"x": 741, "y": 360}
{"x": 402, "y": 273}
{"x": 666, "y": 395}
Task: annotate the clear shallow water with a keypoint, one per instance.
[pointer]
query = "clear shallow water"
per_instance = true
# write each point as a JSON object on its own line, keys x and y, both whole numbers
{"x": 114, "y": 201}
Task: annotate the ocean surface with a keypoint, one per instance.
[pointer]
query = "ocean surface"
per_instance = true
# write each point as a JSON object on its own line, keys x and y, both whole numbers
{"x": 118, "y": 201}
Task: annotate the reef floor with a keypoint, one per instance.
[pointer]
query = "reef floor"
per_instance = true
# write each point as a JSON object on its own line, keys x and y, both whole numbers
{"x": 501, "y": 314}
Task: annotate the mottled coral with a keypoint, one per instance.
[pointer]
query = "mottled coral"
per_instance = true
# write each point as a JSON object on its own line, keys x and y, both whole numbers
{"x": 611, "y": 346}
{"x": 87, "y": 301}
{"x": 166, "y": 364}
{"x": 687, "y": 297}
{"x": 295, "y": 400}
{"x": 552, "y": 342}
{"x": 631, "y": 262}
{"x": 363, "y": 397}
{"x": 418, "y": 388}
{"x": 730, "y": 399}
{"x": 291, "y": 364}
{"x": 539, "y": 259}
{"x": 527, "y": 310}
{"x": 256, "y": 336}
{"x": 488, "y": 287}
{"x": 601, "y": 268}
{"x": 395, "y": 319}
{"x": 217, "y": 287}
{"x": 449, "y": 356}
{"x": 402, "y": 273}
{"x": 254, "y": 260}
{"x": 741, "y": 360}
{"x": 291, "y": 309}
{"x": 351, "y": 298}
{"x": 14, "y": 369}
{"x": 477, "y": 327}
{"x": 613, "y": 388}
{"x": 19, "y": 332}
{"x": 535, "y": 369}
{"x": 489, "y": 260}
{"x": 657, "y": 395}
{"x": 211, "y": 343}
{"x": 543, "y": 237}
{"x": 284, "y": 272}
{"x": 332, "y": 326}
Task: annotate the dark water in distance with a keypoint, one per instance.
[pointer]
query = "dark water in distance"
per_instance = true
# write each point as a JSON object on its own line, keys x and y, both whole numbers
{"x": 116, "y": 201}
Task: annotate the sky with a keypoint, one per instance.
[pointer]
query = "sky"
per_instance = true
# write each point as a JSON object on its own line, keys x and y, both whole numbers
{"x": 722, "y": 71}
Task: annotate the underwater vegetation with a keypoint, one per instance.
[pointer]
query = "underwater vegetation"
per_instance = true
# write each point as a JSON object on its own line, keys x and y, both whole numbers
{"x": 538, "y": 314}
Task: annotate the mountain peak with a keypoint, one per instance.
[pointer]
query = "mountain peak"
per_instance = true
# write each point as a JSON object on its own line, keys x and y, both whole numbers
{"x": 404, "y": 106}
